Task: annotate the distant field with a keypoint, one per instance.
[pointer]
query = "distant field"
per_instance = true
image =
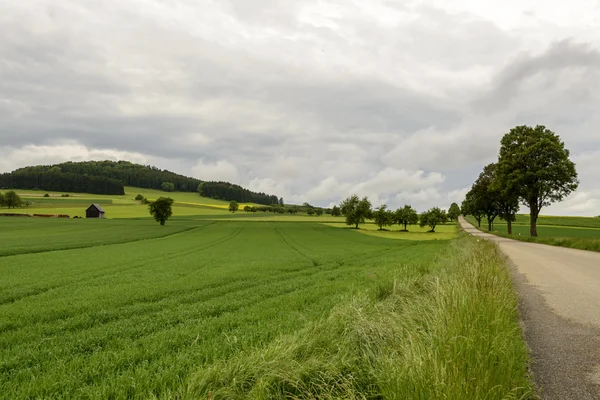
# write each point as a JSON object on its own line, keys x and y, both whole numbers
{"x": 442, "y": 232}
{"x": 575, "y": 232}
{"x": 186, "y": 204}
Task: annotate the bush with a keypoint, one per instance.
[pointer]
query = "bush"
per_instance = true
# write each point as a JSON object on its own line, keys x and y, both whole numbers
{"x": 139, "y": 197}
{"x": 46, "y": 195}
{"x": 64, "y": 195}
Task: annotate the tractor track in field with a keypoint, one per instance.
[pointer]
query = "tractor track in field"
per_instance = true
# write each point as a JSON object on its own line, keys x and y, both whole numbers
{"x": 559, "y": 303}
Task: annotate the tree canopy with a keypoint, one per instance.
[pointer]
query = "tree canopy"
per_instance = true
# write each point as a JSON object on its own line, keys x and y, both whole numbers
{"x": 356, "y": 210}
{"x": 406, "y": 216}
{"x": 167, "y": 187}
{"x": 383, "y": 217}
{"x": 453, "y": 212}
{"x": 161, "y": 209}
{"x": 233, "y": 206}
{"x": 12, "y": 200}
{"x": 432, "y": 218}
{"x": 534, "y": 165}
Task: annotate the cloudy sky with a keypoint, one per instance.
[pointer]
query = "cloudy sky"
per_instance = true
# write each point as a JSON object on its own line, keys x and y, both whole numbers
{"x": 312, "y": 100}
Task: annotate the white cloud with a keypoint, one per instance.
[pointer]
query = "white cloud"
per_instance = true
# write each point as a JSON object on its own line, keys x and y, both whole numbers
{"x": 221, "y": 170}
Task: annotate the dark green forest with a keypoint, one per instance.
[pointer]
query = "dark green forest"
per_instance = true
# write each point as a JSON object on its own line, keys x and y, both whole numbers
{"x": 110, "y": 177}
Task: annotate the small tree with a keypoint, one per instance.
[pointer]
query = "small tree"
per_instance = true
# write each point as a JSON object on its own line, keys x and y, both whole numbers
{"x": 310, "y": 211}
{"x": 453, "y": 212}
{"x": 432, "y": 218}
{"x": 12, "y": 199}
{"x": 27, "y": 203}
{"x": 248, "y": 209}
{"x": 167, "y": 187}
{"x": 281, "y": 203}
{"x": 233, "y": 206}
{"x": 161, "y": 209}
{"x": 383, "y": 217}
{"x": 535, "y": 166}
{"x": 2, "y": 201}
{"x": 356, "y": 210}
{"x": 406, "y": 216}
{"x": 139, "y": 197}
{"x": 335, "y": 211}
{"x": 319, "y": 212}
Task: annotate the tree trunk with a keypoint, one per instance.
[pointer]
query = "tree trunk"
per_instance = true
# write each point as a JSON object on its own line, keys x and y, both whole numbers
{"x": 405, "y": 226}
{"x": 533, "y": 214}
{"x": 509, "y": 223}
{"x": 489, "y": 225}
{"x": 357, "y": 225}
{"x": 533, "y": 224}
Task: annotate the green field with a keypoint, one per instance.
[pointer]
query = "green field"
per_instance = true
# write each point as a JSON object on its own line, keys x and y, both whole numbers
{"x": 186, "y": 204}
{"x": 242, "y": 309}
{"x": 575, "y": 232}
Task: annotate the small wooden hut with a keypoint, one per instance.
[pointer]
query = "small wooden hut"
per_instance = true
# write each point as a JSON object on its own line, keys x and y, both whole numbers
{"x": 94, "y": 211}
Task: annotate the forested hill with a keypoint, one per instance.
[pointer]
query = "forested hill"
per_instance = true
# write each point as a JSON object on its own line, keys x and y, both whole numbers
{"x": 110, "y": 177}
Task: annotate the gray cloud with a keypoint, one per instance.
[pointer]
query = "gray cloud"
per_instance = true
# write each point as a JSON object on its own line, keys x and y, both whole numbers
{"x": 309, "y": 100}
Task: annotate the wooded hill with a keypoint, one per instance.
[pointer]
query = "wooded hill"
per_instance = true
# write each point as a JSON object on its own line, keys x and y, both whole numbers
{"x": 110, "y": 177}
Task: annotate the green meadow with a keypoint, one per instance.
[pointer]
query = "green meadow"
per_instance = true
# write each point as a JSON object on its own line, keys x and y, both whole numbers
{"x": 260, "y": 306}
{"x": 575, "y": 232}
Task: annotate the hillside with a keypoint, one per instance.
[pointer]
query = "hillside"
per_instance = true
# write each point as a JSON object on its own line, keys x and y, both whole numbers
{"x": 110, "y": 177}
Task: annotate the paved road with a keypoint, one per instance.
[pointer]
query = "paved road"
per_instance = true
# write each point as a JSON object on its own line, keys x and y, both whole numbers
{"x": 559, "y": 296}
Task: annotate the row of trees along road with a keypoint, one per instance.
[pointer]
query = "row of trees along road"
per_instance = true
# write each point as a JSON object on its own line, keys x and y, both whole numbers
{"x": 533, "y": 169}
{"x": 357, "y": 211}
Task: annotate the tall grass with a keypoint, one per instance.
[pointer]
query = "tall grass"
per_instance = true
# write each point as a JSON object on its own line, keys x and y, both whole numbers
{"x": 451, "y": 332}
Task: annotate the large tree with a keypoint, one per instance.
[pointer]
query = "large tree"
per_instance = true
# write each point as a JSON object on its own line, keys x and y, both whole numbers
{"x": 161, "y": 209}
{"x": 12, "y": 199}
{"x": 432, "y": 218}
{"x": 356, "y": 210}
{"x": 535, "y": 166}
{"x": 453, "y": 211}
{"x": 383, "y": 217}
{"x": 406, "y": 216}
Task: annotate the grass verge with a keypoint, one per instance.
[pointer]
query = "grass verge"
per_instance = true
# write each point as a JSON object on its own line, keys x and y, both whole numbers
{"x": 550, "y": 235}
{"x": 589, "y": 244}
{"x": 450, "y": 330}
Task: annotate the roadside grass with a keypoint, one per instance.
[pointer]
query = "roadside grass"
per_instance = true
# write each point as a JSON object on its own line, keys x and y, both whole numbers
{"x": 563, "y": 234}
{"x": 415, "y": 232}
{"x": 447, "y": 330}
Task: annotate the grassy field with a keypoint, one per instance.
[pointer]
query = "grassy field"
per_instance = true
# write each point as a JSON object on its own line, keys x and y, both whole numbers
{"x": 240, "y": 309}
{"x": 186, "y": 204}
{"x": 575, "y": 232}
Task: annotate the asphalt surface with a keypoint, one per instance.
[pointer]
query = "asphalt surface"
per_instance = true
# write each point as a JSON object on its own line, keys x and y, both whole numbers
{"x": 559, "y": 302}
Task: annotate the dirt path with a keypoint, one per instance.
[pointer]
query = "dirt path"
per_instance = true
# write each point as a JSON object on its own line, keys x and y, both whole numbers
{"x": 559, "y": 296}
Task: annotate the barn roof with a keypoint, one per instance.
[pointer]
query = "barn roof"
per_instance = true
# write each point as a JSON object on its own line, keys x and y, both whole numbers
{"x": 97, "y": 207}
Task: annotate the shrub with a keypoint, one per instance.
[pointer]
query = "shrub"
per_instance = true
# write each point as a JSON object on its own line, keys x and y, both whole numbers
{"x": 46, "y": 195}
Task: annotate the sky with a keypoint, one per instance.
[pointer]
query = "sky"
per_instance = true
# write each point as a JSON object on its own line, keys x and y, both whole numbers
{"x": 313, "y": 100}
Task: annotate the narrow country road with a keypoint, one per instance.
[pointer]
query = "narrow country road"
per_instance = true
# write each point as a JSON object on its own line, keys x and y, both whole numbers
{"x": 559, "y": 296}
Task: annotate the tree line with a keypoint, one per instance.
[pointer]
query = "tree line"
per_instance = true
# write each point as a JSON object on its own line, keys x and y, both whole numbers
{"x": 54, "y": 179}
{"x": 230, "y": 192}
{"x": 533, "y": 169}
{"x": 356, "y": 211}
{"x": 110, "y": 177}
